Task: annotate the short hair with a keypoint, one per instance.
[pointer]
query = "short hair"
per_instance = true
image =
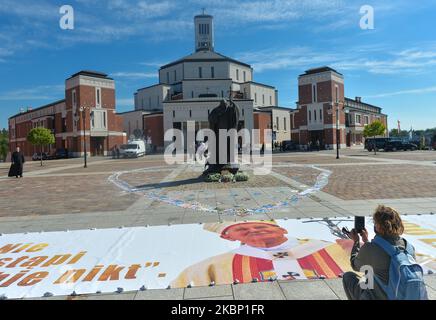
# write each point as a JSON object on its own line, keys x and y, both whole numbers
{"x": 388, "y": 221}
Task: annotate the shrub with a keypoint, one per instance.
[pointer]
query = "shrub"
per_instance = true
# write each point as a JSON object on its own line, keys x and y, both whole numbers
{"x": 241, "y": 176}
{"x": 228, "y": 177}
{"x": 213, "y": 177}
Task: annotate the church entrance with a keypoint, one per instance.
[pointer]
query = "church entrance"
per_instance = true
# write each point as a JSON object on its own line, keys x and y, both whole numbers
{"x": 97, "y": 146}
{"x": 316, "y": 137}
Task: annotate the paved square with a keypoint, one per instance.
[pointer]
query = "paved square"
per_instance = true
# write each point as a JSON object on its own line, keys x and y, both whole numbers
{"x": 110, "y": 193}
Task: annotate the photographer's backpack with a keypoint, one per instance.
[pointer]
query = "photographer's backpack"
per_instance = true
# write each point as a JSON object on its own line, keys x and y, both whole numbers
{"x": 406, "y": 277}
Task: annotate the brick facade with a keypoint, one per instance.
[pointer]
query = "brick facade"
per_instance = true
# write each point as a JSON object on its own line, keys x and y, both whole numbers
{"x": 154, "y": 128}
{"x": 103, "y": 127}
{"x": 262, "y": 121}
{"x": 321, "y": 101}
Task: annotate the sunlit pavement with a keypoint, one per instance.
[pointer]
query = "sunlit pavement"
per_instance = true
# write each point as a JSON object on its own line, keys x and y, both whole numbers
{"x": 48, "y": 197}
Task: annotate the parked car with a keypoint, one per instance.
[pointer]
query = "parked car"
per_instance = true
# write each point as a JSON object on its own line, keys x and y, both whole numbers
{"x": 133, "y": 149}
{"x": 37, "y": 156}
{"x": 61, "y": 154}
{"x": 378, "y": 143}
{"x": 289, "y": 145}
{"x": 400, "y": 145}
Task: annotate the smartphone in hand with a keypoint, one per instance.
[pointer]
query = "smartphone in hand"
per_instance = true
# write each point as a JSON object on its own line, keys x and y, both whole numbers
{"x": 359, "y": 224}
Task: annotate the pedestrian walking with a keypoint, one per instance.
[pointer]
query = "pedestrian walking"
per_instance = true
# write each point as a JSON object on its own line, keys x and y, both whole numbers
{"x": 17, "y": 165}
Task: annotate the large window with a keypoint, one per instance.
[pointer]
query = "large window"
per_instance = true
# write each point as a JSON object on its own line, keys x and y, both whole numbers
{"x": 314, "y": 97}
{"x": 358, "y": 119}
{"x": 200, "y": 72}
{"x": 277, "y": 123}
{"x": 212, "y": 72}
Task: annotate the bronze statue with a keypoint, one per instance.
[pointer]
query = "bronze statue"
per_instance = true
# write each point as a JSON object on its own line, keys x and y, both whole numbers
{"x": 225, "y": 116}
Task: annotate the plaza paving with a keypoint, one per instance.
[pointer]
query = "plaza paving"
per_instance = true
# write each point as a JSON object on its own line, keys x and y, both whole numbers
{"x": 63, "y": 195}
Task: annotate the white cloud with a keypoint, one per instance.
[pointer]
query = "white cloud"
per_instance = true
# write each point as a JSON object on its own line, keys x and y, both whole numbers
{"x": 154, "y": 64}
{"x": 134, "y": 75}
{"x": 404, "y": 92}
{"x": 29, "y": 9}
{"x": 45, "y": 92}
{"x": 274, "y": 11}
{"x": 374, "y": 59}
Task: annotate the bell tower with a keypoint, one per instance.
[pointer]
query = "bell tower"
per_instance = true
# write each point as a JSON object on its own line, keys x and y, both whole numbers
{"x": 204, "y": 32}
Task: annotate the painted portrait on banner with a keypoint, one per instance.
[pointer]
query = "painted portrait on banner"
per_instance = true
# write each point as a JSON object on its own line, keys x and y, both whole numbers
{"x": 107, "y": 260}
{"x": 267, "y": 252}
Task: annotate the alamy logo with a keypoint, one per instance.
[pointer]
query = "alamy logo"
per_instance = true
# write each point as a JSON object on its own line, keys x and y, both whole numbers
{"x": 367, "y": 20}
{"x": 368, "y": 280}
{"x": 67, "y": 20}
{"x": 242, "y": 147}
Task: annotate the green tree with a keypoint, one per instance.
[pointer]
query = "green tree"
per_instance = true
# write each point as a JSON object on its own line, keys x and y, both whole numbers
{"x": 41, "y": 137}
{"x": 4, "y": 144}
{"x": 373, "y": 130}
{"x": 394, "y": 133}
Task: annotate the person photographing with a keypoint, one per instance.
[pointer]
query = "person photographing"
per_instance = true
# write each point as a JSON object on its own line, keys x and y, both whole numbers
{"x": 397, "y": 276}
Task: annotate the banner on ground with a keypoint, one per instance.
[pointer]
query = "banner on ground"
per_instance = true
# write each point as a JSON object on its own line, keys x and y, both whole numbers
{"x": 109, "y": 260}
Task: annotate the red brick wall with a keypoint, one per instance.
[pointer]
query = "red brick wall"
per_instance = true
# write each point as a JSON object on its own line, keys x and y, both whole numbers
{"x": 262, "y": 121}
{"x": 305, "y": 94}
{"x": 153, "y": 127}
{"x": 113, "y": 141}
{"x": 300, "y": 118}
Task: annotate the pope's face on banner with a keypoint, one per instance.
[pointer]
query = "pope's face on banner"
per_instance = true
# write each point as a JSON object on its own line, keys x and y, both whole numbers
{"x": 256, "y": 234}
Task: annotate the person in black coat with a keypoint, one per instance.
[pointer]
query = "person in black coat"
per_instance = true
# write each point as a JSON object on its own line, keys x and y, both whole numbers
{"x": 18, "y": 161}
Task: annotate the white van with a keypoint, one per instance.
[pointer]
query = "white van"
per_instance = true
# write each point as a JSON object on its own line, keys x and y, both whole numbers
{"x": 133, "y": 149}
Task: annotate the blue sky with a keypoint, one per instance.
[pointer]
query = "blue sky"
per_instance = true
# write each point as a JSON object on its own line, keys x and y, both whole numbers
{"x": 392, "y": 66}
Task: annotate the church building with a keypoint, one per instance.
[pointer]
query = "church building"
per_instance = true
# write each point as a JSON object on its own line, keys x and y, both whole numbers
{"x": 191, "y": 87}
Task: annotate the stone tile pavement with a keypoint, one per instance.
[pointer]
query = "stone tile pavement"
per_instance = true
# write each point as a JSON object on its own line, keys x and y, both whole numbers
{"x": 330, "y": 289}
{"x": 63, "y": 196}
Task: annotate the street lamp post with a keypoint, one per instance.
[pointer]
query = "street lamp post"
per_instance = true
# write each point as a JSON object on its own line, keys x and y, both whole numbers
{"x": 83, "y": 110}
{"x": 338, "y": 131}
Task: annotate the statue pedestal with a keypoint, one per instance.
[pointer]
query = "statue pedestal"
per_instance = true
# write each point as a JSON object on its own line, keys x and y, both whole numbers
{"x": 232, "y": 168}
{"x": 219, "y": 168}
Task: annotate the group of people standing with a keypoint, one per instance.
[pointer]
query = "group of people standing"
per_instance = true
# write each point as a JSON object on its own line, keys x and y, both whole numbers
{"x": 314, "y": 146}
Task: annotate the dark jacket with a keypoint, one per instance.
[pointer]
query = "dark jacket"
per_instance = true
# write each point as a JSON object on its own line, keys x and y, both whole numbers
{"x": 17, "y": 160}
{"x": 374, "y": 256}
